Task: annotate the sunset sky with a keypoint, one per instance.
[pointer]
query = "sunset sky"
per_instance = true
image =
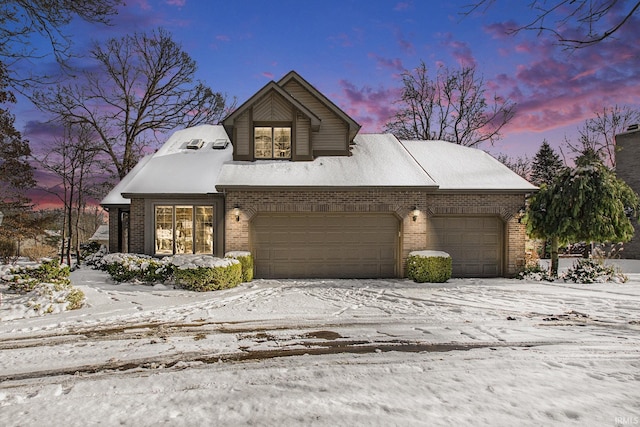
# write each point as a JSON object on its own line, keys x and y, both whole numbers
{"x": 355, "y": 50}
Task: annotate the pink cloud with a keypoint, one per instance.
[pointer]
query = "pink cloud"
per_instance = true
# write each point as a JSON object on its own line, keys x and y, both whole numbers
{"x": 370, "y": 107}
{"x": 267, "y": 75}
{"x": 393, "y": 64}
{"x": 178, "y": 3}
{"x": 460, "y": 51}
{"x": 223, "y": 38}
{"x": 555, "y": 89}
{"x": 501, "y": 30}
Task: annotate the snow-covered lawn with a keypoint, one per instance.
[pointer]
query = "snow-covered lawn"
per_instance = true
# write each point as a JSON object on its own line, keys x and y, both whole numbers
{"x": 329, "y": 352}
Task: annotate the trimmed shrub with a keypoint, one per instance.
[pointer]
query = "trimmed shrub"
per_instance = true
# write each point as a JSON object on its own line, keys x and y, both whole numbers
{"x": 593, "y": 271}
{"x": 205, "y": 272}
{"x": 134, "y": 267}
{"x": 429, "y": 266}
{"x": 246, "y": 261}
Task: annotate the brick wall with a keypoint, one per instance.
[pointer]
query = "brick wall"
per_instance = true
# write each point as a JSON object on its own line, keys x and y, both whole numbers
{"x": 414, "y": 233}
{"x": 136, "y": 226}
{"x": 628, "y": 169}
{"x": 113, "y": 229}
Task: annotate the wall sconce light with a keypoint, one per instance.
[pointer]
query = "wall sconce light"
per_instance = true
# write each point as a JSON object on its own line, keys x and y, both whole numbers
{"x": 236, "y": 212}
{"x": 415, "y": 213}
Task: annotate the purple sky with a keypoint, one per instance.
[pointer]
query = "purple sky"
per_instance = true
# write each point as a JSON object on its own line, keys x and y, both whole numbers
{"x": 354, "y": 51}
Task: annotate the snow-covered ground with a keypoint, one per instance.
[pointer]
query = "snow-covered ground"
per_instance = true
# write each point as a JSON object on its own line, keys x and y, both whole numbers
{"x": 493, "y": 352}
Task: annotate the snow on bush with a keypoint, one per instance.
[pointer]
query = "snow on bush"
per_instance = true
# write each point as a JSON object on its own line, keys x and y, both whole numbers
{"x": 194, "y": 272}
{"x": 429, "y": 266}
{"x": 536, "y": 273}
{"x": 184, "y": 262}
{"x": 136, "y": 268}
{"x": 593, "y": 271}
{"x": 37, "y": 289}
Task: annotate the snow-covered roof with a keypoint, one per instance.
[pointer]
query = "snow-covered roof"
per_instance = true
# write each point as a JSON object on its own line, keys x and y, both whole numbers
{"x": 376, "y": 161}
{"x": 456, "y": 167}
{"x": 114, "y": 197}
{"x": 101, "y": 234}
{"x": 176, "y": 169}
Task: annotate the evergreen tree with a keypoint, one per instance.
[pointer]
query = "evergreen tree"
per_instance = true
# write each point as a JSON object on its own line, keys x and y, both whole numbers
{"x": 587, "y": 203}
{"x": 546, "y": 165}
{"x": 16, "y": 174}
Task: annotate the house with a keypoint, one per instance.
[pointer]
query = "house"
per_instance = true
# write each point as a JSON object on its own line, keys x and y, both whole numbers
{"x": 628, "y": 169}
{"x": 289, "y": 177}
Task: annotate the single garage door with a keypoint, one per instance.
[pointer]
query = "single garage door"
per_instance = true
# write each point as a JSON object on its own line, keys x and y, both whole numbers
{"x": 474, "y": 243}
{"x": 312, "y": 245}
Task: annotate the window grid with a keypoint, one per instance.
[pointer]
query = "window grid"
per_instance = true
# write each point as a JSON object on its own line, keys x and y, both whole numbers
{"x": 176, "y": 226}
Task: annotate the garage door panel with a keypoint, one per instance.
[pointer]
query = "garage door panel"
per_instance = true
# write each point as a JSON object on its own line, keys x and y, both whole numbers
{"x": 325, "y": 245}
{"x": 474, "y": 243}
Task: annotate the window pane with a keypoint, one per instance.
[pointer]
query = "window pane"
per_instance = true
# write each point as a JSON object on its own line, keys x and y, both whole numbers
{"x": 282, "y": 146}
{"x": 184, "y": 229}
{"x": 263, "y": 143}
{"x": 204, "y": 230}
{"x": 164, "y": 229}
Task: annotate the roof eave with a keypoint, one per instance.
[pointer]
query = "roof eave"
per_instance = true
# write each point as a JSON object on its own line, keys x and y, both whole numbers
{"x": 222, "y": 188}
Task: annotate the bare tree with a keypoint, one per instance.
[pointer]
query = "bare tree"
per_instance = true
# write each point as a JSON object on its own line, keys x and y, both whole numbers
{"x": 145, "y": 85}
{"x": 454, "y": 107}
{"x": 520, "y": 165}
{"x": 574, "y": 23}
{"x": 74, "y": 160}
{"x": 597, "y": 134}
{"x": 20, "y": 20}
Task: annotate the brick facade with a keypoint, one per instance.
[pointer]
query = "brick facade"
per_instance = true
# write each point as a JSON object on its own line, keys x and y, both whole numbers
{"x": 136, "y": 226}
{"x": 401, "y": 203}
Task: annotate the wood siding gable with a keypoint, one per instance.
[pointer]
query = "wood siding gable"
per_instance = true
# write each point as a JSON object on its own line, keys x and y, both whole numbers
{"x": 271, "y": 105}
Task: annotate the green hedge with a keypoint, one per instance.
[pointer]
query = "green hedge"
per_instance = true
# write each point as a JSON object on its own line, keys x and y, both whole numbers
{"x": 204, "y": 279}
{"x": 429, "y": 266}
{"x": 246, "y": 261}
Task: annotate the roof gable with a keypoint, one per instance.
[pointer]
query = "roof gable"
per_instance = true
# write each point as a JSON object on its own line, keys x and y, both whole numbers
{"x": 271, "y": 86}
{"x": 354, "y": 127}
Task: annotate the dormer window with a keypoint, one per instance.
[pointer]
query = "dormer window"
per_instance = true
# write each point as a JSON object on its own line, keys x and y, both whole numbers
{"x": 272, "y": 142}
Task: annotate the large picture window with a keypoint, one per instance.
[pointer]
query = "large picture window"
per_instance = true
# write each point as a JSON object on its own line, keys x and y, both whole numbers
{"x": 183, "y": 229}
{"x": 272, "y": 142}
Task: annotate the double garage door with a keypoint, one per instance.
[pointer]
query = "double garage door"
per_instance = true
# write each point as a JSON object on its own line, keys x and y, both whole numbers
{"x": 474, "y": 243}
{"x": 325, "y": 245}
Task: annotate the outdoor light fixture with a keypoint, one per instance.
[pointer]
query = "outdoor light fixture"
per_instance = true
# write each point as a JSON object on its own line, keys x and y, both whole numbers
{"x": 521, "y": 213}
{"x": 236, "y": 212}
{"x": 415, "y": 213}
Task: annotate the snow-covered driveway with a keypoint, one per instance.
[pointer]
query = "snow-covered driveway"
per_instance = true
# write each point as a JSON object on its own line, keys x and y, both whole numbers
{"x": 329, "y": 352}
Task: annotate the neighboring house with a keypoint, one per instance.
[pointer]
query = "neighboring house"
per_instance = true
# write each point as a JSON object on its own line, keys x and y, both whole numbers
{"x": 628, "y": 169}
{"x": 310, "y": 197}
{"x": 101, "y": 235}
